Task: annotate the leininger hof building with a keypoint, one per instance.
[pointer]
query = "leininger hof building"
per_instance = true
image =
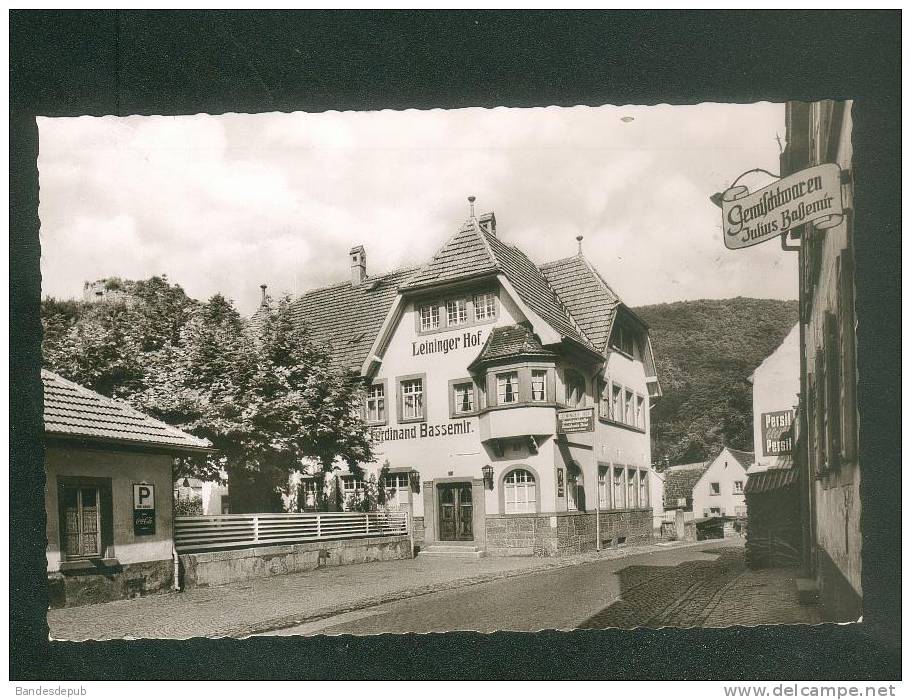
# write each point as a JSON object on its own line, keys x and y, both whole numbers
{"x": 473, "y": 363}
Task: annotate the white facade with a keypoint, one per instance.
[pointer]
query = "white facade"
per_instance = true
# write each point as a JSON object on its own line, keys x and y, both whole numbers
{"x": 720, "y": 489}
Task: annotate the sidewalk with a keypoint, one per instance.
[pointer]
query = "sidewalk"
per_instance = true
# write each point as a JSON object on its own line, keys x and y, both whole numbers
{"x": 247, "y": 608}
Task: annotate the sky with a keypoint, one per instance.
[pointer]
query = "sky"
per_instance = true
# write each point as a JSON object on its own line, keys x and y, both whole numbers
{"x": 226, "y": 203}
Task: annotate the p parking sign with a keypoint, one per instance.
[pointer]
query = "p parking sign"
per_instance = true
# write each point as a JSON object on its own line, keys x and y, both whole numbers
{"x": 143, "y": 509}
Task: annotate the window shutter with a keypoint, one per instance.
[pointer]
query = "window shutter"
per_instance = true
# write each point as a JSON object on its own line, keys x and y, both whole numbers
{"x": 848, "y": 347}
{"x": 833, "y": 392}
{"x": 811, "y": 421}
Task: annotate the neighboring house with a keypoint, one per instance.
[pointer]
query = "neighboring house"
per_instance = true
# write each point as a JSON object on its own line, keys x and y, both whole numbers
{"x": 679, "y": 481}
{"x": 108, "y": 495}
{"x": 212, "y": 495}
{"x": 719, "y": 490}
{"x": 830, "y": 455}
{"x": 468, "y": 360}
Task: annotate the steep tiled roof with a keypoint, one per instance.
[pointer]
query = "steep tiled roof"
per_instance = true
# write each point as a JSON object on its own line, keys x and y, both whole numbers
{"x": 770, "y": 480}
{"x": 744, "y": 458}
{"x": 347, "y": 318}
{"x": 585, "y": 294}
{"x": 679, "y": 481}
{"x": 72, "y": 411}
{"x": 510, "y": 341}
{"x": 465, "y": 254}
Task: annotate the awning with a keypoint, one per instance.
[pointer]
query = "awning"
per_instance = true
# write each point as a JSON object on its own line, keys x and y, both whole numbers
{"x": 770, "y": 480}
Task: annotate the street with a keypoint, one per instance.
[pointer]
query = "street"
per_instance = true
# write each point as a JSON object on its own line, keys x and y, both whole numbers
{"x": 682, "y": 587}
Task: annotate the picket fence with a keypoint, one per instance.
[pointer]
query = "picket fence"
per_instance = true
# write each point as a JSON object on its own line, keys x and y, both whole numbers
{"x": 215, "y": 532}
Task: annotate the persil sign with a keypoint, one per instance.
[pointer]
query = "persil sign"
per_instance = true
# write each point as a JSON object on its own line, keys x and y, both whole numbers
{"x": 813, "y": 195}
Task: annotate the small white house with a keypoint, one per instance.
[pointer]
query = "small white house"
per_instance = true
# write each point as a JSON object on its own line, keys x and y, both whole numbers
{"x": 719, "y": 491}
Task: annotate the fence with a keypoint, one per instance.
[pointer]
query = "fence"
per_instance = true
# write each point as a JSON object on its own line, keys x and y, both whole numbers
{"x": 208, "y": 532}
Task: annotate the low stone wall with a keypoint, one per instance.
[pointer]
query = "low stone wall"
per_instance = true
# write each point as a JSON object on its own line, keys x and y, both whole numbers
{"x": 104, "y": 583}
{"x": 417, "y": 529}
{"x": 565, "y": 533}
{"x": 219, "y": 568}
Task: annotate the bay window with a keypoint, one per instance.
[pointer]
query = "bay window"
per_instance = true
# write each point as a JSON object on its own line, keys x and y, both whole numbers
{"x": 507, "y": 388}
{"x": 539, "y": 385}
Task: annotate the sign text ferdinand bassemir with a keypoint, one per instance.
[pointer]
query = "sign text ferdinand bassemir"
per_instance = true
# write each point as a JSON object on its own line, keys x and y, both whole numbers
{"x": 576, "y": 420}
{"x": 813, "y": 195}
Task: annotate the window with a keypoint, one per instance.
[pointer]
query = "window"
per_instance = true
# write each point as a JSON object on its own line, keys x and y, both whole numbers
{"x": 507, "y": 388}
{"x": 456, "y": 312}
{"x": 643, "y": 489}
{"x": 81, "y": 522}
{"x": 519, "y": 494}
{"x": 463, "y": 397}
{"x": 575, "y": 388}
{"x": 629, "y": 408}
{"x": 430, "y": 317}
{"x": 397, "y": 490}
{"x": 617, "y": 413}
{"x": 640, "y": 412}
{"x": 539, "y": 385}
{"x": 740, "y": 511}
{"x": 604, "y": 402}
{"x": 603, "y": 489}
{"x": 561, "y": 483}
{"x": 412, "y": 399}
{"x": 619, "y": 488}
{"x": 714, "y": 488}
{"x": 375, "y": 410}
{"x": 631, "y": 494}
{"x": 575, "y": 494}
{"x": 485, "y": 307}
{"x": 714, "y": 511}
{"x": 351, "y": 487}
{"x": 308, "y": 495}
{"x": 738, "y": 487}
{"x": 225, "y": 504}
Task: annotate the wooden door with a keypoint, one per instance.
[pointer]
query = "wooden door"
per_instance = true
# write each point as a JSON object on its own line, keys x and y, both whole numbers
{"x": 455, "y": 512}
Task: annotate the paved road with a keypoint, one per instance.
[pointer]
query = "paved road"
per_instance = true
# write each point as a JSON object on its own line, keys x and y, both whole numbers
{"x": 676, "y": 587}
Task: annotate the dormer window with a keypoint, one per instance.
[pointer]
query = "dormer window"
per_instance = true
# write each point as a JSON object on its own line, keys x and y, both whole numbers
{"x": 485, "y": 307}
{"x": 456, "y": 312}
{"x": 430, "y": 317}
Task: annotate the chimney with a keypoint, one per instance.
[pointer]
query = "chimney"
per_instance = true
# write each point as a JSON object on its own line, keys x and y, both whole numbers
{"x": 488, "y": 222}
{"x": 358, "y": 265}
{"x": 263, "y": 300}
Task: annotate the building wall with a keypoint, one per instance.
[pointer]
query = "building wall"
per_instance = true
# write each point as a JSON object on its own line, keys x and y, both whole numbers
{"x": 776, "y": 387}
{"x": 836, "y": 495}
{"x": 725, "y": 470}
{"x": 124, "y": 469}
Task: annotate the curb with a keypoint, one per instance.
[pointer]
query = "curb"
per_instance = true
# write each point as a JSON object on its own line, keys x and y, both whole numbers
{"x": 331, "y": 611}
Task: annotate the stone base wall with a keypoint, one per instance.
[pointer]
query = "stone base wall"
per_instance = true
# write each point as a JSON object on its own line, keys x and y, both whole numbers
{"x": 103, "y": 584}
{"x": 417, "y": 531}
{"x": 219, "y": 568}
{"x": 565, "y": 533}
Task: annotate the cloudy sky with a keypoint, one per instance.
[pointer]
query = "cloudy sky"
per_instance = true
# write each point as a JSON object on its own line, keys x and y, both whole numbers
{"x": 226, "y": 203}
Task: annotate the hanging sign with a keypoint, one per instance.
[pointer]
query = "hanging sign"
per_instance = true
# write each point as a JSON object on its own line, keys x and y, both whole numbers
{"x": 776, "y": 433}
{"x": 576, "y": 420}
{"x": 143, "y": 509}
{"x": 813, "y": 195}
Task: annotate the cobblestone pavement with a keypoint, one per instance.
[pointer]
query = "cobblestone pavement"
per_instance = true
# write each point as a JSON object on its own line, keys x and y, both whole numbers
{"x": 284, "y": 601}
{"x": 719, "y": 593}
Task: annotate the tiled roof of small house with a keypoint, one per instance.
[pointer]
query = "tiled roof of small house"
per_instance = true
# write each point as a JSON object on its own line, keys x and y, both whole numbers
{"x": 744, "y": 458}
{"x": 510, "y": 341}
{"x": 464, "y": 255}
{"x": 72, "y": 411}
{"x": 679, "y": 481}
{"x": 585, "y": 294}
{"x": 770, "y": 480}
{"x": 346, "y": 318}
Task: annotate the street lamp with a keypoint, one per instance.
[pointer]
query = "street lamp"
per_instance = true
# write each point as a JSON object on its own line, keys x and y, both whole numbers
{"x": 487, "y": 471}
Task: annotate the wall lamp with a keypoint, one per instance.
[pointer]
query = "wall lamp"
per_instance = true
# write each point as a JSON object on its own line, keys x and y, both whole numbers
{"x": 487, "y": 471}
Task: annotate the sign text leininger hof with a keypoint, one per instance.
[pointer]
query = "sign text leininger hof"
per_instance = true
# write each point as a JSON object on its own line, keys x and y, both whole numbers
{"x": 776, "y": 433}
{"x": 813, "y": 195}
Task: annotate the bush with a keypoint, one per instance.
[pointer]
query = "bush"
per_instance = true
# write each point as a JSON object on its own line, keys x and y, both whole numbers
{"x": 188, "y": 506}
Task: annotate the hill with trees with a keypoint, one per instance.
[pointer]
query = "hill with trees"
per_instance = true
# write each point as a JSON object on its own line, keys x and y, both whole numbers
{"x": 705, "y": 351}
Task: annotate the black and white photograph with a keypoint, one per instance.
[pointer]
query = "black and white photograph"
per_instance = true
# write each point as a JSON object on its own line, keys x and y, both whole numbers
{"x": 464, "y": 369}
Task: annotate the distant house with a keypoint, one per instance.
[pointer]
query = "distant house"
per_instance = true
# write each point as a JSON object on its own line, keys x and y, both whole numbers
{"x": 213, "y": 496}
{"x": 709, "y": 489}
{"x": 108, "y": 495}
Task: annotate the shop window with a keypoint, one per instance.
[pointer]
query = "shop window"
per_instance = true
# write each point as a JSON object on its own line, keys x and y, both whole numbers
{"x": 430, "y": 317}
{"x": 519, "y": 492}
{"x": 375, "y": 404}
{"x": 617, "y": 413}
{"x": 412, "y": 398}
{"x": 575, "y": 388}
{"x": 643, "y": 489}
{"x": 485, "y": 308}
{"x": 456, "y": 312}
{"x": 463, "y": 398}
{"x": 714, "y": 488}
{"x": 86, "y": 518}
{"x": 539, "y": 385}
{"x": 631, "y": 501}
{"x": 619, "y": 488}
{"x": 397, "y": 491}
{"x": 507, "y": 388}
{"x": 738, "y": 487}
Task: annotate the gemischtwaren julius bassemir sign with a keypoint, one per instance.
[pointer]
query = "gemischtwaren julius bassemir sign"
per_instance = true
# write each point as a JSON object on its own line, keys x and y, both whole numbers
{"x": 811, "y": 195}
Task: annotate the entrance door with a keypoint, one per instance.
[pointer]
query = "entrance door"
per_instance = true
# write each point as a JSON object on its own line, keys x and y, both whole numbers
{"x": 455, "y": 512}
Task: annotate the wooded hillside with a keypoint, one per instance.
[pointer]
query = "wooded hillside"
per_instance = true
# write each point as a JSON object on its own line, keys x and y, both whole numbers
{"x": 705, "y": 351}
